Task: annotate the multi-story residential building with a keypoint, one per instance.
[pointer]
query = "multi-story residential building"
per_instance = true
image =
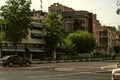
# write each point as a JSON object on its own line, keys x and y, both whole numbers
{"x": 35, "y": 36}
{"x": 34, "y": 41}
{"x": 96, "y": 27}
{"x": 83, "y": 20}
{"x": 58, "y": 8}
{"x": 72, "y": 20}
{"x": 107, "y": 38}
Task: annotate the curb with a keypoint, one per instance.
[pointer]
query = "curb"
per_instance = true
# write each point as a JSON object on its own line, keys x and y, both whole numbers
{"x": 63, "y": 61}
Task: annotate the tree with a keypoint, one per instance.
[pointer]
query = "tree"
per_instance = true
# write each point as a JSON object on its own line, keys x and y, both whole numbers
{"x": 84, "y": 41}
{"x": 2, "y": 29}
{"x": 67, "y": 46}
{"x": 17, "y": 14}
{"x": 55, "y": 33}
{"x": 2, "y": 34}
{"x": 117, "y": 49}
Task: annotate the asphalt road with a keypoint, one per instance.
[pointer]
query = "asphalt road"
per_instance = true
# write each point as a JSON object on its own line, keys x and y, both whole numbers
{"x": 59, "y": 71}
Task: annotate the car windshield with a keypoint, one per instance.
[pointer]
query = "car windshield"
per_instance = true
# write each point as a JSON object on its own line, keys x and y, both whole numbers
{"x": 20, "y": 58}
{"x": 117, "y": 71}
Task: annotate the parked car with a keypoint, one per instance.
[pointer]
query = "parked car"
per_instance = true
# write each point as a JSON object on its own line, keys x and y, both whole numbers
{"x": 15, "y": 60}
{"x": 116, "y": 74}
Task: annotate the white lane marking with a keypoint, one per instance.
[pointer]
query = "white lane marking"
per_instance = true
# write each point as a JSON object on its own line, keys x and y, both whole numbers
{"x": 64, "y": 69}
{"x": 108, "y": 68}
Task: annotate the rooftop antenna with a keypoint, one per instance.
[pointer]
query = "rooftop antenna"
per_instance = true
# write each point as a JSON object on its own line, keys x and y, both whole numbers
{"x": 118, "y": 5}
{"x": 41, "y": 8}
{"x": 41, "y": 5}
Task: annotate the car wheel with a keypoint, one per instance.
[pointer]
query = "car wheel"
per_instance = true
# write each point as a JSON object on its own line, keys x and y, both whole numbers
{"x": 27, "y": 64}
{"x": 10, "y": 64}
{"x": 4, "y": 65}
{"x": 21, "y": 65}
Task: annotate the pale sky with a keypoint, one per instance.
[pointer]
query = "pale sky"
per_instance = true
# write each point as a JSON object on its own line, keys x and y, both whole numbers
{"x": 105, "y": 9}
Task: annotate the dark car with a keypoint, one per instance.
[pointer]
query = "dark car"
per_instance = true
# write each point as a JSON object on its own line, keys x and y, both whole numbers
{"x": 15, "y": 60}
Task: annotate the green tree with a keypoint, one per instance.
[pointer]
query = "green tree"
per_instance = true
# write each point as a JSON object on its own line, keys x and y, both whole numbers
{"x": 17, "y": 15}
{"x": 54, "y": 35}
{"x": 2, "y": 34}
{"x": 117, "y": 49}
{"x": 2, "y": 29}
{"x": 67, "y": 46}
{"x": 84, "y": 41}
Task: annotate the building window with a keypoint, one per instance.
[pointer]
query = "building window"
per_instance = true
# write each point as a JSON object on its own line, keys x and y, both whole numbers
{"x": 37, "y": 27}
{"x": 37, "y": 36}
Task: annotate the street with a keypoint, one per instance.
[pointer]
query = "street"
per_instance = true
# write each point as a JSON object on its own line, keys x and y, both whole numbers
{"x": 59, "y": 71}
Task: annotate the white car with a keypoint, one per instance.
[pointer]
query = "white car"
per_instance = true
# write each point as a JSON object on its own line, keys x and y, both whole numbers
{"x": 116, "y": 74}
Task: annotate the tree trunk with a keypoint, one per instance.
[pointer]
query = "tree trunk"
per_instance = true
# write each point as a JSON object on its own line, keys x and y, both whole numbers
{"x": 15, "y": 49}
{"x": 0, "y": 49}
{"x": 54, "y": 54}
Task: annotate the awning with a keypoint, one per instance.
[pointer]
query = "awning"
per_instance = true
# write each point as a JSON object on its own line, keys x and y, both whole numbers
{"x": 22, "y": 50}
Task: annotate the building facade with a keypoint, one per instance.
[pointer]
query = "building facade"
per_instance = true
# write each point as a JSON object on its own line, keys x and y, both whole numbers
{"x": 87, "y": 21}
{"x": 77, "y": 20}
{"x": 107, "y": 39}
{"x": 58, "y": 8}
{"x": 72, "y": 20}
{"x": 34, "y": 41}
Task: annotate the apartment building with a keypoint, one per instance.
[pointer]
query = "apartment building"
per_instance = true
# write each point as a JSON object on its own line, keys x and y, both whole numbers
{"x": 96, "y": 27}
{"x": 72, "y": 20}
{"x": 84, "y": 20}
{"x": 77, "y": 20}
{"x": 107, "y": 38}
{"x": 58, "y": 8}
{"x": 34, "y": 41}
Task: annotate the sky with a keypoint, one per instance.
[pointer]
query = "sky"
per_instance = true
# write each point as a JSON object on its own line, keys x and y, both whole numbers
{"x": 105, "y": 9}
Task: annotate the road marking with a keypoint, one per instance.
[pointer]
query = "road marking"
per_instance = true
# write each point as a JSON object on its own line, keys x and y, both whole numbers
{"x": 108, "y": 68}
{"x": 64, "y": 69}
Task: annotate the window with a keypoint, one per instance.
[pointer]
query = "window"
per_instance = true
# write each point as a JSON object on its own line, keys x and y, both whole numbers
{"x": 37, "y": 36}
{"x": 37, "y": 27}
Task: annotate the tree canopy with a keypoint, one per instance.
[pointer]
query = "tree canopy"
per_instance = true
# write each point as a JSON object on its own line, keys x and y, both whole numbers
{"x": 2, "y": 29}
{"x": 17, "y": 14}
{"x": 84, "y": 41}
{"x": 54, "y": 32}
{"x": 67, "y": 46}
